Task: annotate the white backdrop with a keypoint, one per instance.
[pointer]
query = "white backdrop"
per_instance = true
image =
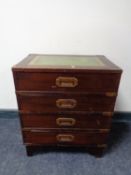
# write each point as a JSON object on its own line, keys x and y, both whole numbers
{"x": 65, "y": 27}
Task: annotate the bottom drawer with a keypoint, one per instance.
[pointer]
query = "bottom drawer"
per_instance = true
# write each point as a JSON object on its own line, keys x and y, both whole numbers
{"x": 63, "y": 137}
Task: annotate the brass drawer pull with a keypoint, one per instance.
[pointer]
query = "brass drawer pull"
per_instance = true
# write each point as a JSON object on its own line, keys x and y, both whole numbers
{"x": 65, "y": 138}
{"x": 108, "y": 114}
{"x": 111, "y": 94}
{"x": 104, "y": 130}
{"x": 65, "y": 121}
{"x": 66, "y": 82}
{"x": 66, "y": 103}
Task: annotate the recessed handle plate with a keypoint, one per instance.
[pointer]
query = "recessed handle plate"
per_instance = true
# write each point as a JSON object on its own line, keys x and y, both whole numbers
{"x": 66, "y": 82}
{"x": 65, "y": 121}
{"x": 65, "y": 138}
{"x": 66, "y": 103}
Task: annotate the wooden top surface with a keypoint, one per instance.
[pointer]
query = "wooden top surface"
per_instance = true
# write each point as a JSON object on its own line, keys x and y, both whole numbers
{"x": 39, "y": 62}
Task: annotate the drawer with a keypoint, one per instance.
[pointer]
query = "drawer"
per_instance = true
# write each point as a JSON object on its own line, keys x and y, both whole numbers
{"x": 92, "y": 82}
{"x": 62, "y": 137}
{"x": 88, "y": 121}
{"x": 40, "y": 102}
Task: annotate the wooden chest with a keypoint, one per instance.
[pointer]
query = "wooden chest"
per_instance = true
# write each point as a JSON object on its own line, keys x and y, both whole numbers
{"x": 66, "y": 100}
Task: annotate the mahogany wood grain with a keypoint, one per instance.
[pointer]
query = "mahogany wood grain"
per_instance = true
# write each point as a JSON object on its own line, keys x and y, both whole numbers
{"x": 92, "y": 82}
{"x": 82, "y": 121}
{"x": 50, "y": 138}
{"x": 37, "y": 102}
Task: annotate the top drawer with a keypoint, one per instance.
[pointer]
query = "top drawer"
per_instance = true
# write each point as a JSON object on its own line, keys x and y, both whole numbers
{"x": 92, "y": 82}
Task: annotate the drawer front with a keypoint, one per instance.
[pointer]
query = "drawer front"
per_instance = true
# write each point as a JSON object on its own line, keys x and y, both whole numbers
{"x": 88, "y": 121}
{"x": 35, "y": 102}
{"x": 72, "y": 138}
{"x": 92, "y": 82}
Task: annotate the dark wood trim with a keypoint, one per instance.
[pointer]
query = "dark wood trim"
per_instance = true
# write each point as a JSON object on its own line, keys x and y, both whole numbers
{"x": 109, "y": 66}
{"x": 119, "y": 116}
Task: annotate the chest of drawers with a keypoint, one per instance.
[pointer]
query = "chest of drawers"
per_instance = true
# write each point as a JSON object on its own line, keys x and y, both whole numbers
{"x": 66, "y": 101}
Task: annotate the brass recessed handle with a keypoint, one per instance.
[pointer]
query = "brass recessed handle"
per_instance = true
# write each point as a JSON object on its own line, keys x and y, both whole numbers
{"x": 107, "y": 114}
{"x": 65, "y": 137}
{"x": 104, "y": 130}
{"x": 66, "y": 103}
{"x": 111, "y": 94}
{"x": 66, "y": 82}
{"x": 65, "y": 121}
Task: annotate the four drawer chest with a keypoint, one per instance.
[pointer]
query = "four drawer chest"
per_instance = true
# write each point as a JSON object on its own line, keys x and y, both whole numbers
{"x": 66, "y": 100}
